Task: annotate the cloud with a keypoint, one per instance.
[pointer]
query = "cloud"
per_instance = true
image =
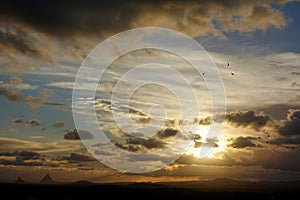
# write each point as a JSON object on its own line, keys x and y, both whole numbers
{"x": 296, "y": 73}
{"x": 25, "y": 155}
{"x": 32, "y": 122}
{"x": 12, "y": 144}
{"x": 65, "y": 84}
{"x": 78, "y": 157}
{"x": 26, "y": 158}
{"x": 205, "y": 121}
{"x": 167, "y": 132}
{"x": 20, "y": 162}
{"x": 291, "y": 140}
{"x": 77, "y": 135}
{"x": 290, "y": 126}
{"x": 33, "y": 102}
{"x": 295, "y": 99}
{"x": 247, "y": 119}
{"x": 17, "y": 121}
{"x": 261, "y": 159}
{"x": 17, "y": 40}
{"x": 150, "y": 143}
{"x": 46, "y": 93}
{"x": 243, "y": 142}
{"x": 209, "y": 142}
{"x": 72, "y": 135}
{"x": 140, "y": 144}
{"x": 173, "y": 122}
{"x": 29, "y": 155}
{"x": 59, "y": 124}
{"x": 278, "y": 160}
{"x": 191, "y": 17}
{"x": 17, "y": 83}
{"x": 31, "y": 34}
{"x": 278, "y": 111}
{"x": 11, "y": 95}
{"x": 295, "y": 84}
{"x": 224, "y": 160}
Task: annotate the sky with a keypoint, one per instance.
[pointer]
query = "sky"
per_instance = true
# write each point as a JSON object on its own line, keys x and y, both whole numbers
{"x": 252, "y": 46}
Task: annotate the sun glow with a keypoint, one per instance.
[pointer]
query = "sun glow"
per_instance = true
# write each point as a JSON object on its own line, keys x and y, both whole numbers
{"x": 209, "y": 147}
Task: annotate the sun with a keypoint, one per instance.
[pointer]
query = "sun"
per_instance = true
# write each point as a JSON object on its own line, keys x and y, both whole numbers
{"x": 207, "y": 149}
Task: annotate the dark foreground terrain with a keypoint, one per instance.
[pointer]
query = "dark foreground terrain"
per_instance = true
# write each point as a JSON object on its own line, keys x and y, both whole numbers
{"x": 218, "y": 189}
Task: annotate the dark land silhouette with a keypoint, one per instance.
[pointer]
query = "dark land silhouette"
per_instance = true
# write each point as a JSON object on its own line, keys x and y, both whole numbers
{"x": 216, "y": 189}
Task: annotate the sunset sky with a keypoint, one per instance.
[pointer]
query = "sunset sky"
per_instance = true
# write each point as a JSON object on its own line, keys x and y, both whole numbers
{"x": 43, "y": 44}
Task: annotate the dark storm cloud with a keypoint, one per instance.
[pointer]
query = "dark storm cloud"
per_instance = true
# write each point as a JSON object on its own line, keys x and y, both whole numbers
{"x": 243, "y": 142}
{"x": 62, "y": 18}
{"x": 74, "y": 135}
{"x": 247, "y": 118}
{"x": 290, "y": 126}
{"x": 51, "y": 31}
{"x": 18, "y": 40}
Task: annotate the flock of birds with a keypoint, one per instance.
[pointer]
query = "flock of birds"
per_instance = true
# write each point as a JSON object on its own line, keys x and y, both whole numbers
{"x": 232, "y": 74}
{"x": 228, "y": 65}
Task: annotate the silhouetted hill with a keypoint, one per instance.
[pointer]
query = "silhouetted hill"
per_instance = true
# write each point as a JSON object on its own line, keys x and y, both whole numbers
{"x": 215, "y": 189}
{"x": 147, "y": 185}
{"x": 47, "y": 180}
{"x": 83, "y": 182}
{"x": 19, "y": 181}
{"x": 225, "y": 180}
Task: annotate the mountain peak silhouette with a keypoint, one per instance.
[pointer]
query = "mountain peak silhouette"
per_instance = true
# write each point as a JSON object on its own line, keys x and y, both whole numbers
{"x": 47, "y": 179}
{"x": 19, "y": 180}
